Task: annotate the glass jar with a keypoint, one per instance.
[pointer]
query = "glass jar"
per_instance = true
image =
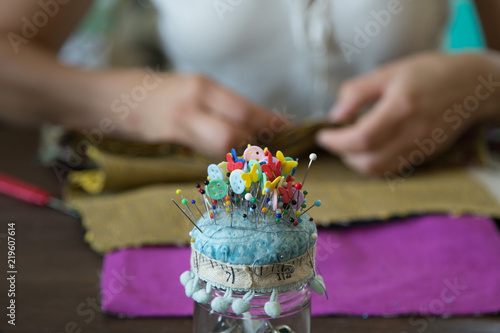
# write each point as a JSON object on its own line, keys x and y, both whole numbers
{"x": 295, "y": 314}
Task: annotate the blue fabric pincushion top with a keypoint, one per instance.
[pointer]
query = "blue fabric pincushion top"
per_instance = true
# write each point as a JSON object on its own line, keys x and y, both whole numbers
{"x": 260, "y": 242}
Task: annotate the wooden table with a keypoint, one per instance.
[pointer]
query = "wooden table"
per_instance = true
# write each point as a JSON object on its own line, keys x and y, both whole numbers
{"x": 58, "y": 274}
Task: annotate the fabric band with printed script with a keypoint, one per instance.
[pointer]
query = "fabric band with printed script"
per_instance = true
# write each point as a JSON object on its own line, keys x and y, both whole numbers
{"x": 256, "y": 277}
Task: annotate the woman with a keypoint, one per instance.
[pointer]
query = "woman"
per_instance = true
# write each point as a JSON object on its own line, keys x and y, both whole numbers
{"x": 234, "y": 61}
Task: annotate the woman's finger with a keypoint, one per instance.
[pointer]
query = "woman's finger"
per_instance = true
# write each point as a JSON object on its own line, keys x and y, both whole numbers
{"x": 357, "y": 92}
{"x": 235, "y": 109}
{"x": 374, "y": 129}
{"x": 211, "y": 135}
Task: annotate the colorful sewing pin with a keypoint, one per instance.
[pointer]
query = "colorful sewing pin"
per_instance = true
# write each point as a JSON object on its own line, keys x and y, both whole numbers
{"x": 317, "y": 203}
{"x": 266, "y": 183}
{"x": 312, "y": 158}
{"x": 193, "y": 202}
{"x": 183, "y": 212}
{"x": 185, "y": 203}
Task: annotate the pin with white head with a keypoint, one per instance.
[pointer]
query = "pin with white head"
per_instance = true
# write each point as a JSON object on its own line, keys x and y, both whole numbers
{"x": 248, "y": 197}
{"x": 312, "y": 157}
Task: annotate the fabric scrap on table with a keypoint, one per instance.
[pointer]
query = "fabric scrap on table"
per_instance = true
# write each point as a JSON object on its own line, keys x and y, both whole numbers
{"x": 436, "y": 264}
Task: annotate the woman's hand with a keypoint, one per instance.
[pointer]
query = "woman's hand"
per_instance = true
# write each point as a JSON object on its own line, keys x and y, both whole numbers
{"x": 422, "y": 104}
{"x": 134, "y": 104}
{"x": 190, "y": 110}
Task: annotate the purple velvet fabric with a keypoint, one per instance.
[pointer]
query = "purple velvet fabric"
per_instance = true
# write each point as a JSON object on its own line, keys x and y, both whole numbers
{"x": 433, "y": 264}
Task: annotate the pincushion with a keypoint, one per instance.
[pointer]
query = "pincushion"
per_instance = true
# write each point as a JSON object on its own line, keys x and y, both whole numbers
{"x": 255, "y": 235}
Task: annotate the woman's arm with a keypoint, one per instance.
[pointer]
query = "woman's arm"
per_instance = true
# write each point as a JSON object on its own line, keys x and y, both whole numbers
{"x": 33, "y": 85}
{"x": 137, "y": 104}
{"x": 430, "y": 98}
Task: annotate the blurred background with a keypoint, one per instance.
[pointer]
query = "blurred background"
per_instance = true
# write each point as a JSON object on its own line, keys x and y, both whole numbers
{"x": 464, "y": 31}
{"x": 113, "y": 33}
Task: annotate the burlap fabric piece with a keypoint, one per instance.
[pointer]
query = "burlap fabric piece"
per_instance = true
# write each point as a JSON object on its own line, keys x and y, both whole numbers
{"x": 119, "y": 171}
{"x": 145, "y": 215}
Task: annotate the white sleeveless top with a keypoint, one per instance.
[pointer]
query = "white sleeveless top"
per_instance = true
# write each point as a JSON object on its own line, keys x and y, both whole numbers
{"x": 294, "y": 54}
